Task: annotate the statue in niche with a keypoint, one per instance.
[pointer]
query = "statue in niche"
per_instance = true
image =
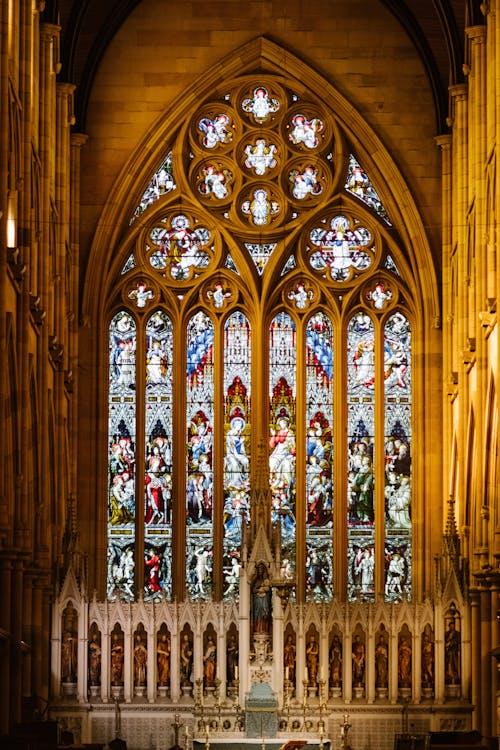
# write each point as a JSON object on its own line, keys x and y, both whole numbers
{"x": 69, "y": 656}
{"x": 289, "y": 658}
{"x": 117, "y": 654}
{"x": 452, "y": 654}
{"x": 381, "y": 662}
{"x": 427, "y": 661}
{"x": 163, "y": 659}
{"x": 336, "y": 662}
{"x": 140, "y": 661}
{"x": 261, "y": 601}
{"x": 312, "y": 659}
{"x": 69, "y": 645}
{"x": 186, "y": 659}
{"x": 404, "y": 662}
{"x": 232, "y": 658}
{"x": 210, "y": 662}
{"x": 94, "y": 659}
{"x": 358, "y": 662}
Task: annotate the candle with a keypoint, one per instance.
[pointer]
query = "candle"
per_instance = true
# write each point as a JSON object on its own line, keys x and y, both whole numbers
{"x": 236, "y": 672}
{"x": 306, "y": 676}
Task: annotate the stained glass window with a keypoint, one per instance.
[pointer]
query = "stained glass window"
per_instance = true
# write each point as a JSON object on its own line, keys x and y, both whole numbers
{"x": 237, "y": 426}
{"x": 260, "y": 332}
{"x": 360, "y": 457}
{"x": 398, "y": 479}
{"x": 121, "y": 457}
{"x": 319, "y": 457}
{"x": 282, "y": 430}
{"x": 158, "y": 500}
{"x": 199, "y": 446}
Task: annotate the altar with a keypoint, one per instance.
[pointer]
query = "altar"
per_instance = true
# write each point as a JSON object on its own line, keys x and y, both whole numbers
{"x": 261, "y": 712}
{"x": 248, "y": 743}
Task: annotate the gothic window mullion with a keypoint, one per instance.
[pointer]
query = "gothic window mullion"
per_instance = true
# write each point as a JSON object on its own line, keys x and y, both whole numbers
{"x": 300, "y": 464}
{"x": 378, "y": 463}
{"x": 139, "y": 460}
{"x": 218, "y": 500}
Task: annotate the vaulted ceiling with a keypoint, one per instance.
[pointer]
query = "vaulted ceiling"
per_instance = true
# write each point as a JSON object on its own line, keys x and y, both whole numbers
{"x": 436, "y": 28}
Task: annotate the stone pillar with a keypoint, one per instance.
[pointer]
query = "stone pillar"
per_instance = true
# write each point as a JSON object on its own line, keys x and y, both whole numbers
{"x": 417, "y": 666}
{"x": 83, "y": 652}
{"x": 439, "y": 652}
{"x": 347, "y": 662}
{"x": 5, "y": 642}
{"x": 393, "y": 665}
{"x": 301, "y": 655}
{"x": 37, "y": 642}
{"x": 56, "y": 654}
{"x": 444, "y": 142}
{"x": 485, "y": 661}
{"x": 17, "y": 612}
{"x": 151, "y": 666}
{"x": 105, "y": 662}
{"x": 244, "y": 634}
{"x": 64, "y": 119}
{"x": 370, "y": 665}
{"x": 221, "y": 655}
{"x": 277, "y": 671}
{"x": 128, "y": 667}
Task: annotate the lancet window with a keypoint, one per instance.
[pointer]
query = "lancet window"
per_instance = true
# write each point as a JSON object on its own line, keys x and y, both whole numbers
{"x": 259, "y": 302}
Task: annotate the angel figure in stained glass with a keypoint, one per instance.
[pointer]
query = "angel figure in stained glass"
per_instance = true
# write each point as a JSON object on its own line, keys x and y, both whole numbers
{"x": 358, "y": 182}
{"x": 260, "y": 105}
{"x": 216, "y": 130}
{"x": 300, "y": 295}
{"x": 305, "y": 131}
{"x": 215, "y": 181}
{"x": 141, "y": 294}
{"x": 125, "y": 363}
{"x": 218, "y": 294}
{"x": 156, "y": 364}
{"x": 236, "y": 461}
{"x": 260, "y": 156}
{"x": 182, "y": 245}
{"x": 379, "y": 295}
{"x": 305, "y": 183}
{"x": 260, "y": 207}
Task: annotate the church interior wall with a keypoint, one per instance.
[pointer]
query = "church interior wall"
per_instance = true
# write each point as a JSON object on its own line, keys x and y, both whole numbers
{"x": 63, "y": 195}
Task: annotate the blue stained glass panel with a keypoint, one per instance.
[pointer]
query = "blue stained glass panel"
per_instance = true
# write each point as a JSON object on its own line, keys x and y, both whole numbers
{"x": 121, "y": 457}
{"x": 360, "y": 457}
{"x": 398, "y": 463}
{"x": 158, "y": 483}
{"x": 319, "y": 458}
{"x": 199, "y": 448}
{"x": 237, "y": 385}
{"x": 282, "y": 424}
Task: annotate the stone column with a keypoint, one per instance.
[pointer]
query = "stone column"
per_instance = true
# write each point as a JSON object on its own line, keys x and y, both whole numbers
{"x": 128, "y": 670}
{"x": 417, "y": 666}
{"x": 105, "y": 662}
{"x": 244, "y": 634}
{"x": 175, "y": 662}
{"x": 83, "y": 652}
{"x": 5, "y": 642}
{"x": 151, "y": 666}
{"x": 370, "y": 665}
{"x": 277, "y": 671}
{"x": 393, "y": 665}
{"x": 439, "y": 652}
{"x": 221, "y": 655}
{"x": 301, "y": 668}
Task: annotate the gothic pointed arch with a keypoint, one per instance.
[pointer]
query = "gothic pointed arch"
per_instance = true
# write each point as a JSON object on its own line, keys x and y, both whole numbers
{"x": 266, "y": 56}
{"x": 224, "y": 357}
